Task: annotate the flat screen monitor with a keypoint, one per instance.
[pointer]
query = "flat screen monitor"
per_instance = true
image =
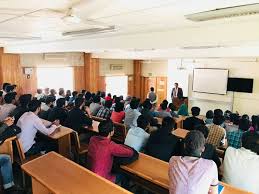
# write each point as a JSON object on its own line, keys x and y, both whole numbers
{"x": 240, "y": 85}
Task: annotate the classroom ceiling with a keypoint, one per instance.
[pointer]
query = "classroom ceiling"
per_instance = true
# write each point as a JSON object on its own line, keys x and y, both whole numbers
{"x": 126, "y": 28}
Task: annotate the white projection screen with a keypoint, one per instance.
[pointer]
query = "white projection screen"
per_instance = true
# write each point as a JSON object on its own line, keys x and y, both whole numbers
{"x": 212, "y": 81}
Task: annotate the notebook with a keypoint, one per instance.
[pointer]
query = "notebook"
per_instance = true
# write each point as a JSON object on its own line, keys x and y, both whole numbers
{"x": 220, "y": 189}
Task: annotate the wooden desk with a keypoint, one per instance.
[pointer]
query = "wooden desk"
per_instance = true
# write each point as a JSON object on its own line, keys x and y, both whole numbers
{"x": 158, "y": 180}
{"x": 94, "y": 126}
{"x": 54, "y": 174}
{"x": 181, "y": 133}
{"x": 7, "y": 147}
{"x": 178, "y": 121}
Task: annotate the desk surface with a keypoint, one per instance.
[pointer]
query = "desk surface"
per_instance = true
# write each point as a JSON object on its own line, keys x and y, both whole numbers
{"x": 144, "y": 168}
{"x": 62, "y": 176}
{"x": 180, "y": 132}
{"x": 61, "y": 132}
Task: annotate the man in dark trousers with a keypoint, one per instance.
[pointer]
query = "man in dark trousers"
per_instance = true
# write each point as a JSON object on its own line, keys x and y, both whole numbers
{"x": 176, "y": 92}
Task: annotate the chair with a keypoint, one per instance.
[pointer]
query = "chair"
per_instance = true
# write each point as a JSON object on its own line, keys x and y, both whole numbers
{"x": 120, "y": 132}
{"x": 79, "y": 147}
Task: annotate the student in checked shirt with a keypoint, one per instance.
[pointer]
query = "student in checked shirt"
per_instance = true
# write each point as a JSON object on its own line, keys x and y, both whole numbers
{"x": 30, "y": 124}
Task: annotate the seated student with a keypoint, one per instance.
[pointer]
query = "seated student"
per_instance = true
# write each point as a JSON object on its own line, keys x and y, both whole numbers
{"x": 253, "y": 123}
{"x": 39, "y": 95}
{"x": 102, "y": 150}
{"x": 162, "y": 144}
{"x": 162, "y": 113}
{"x": 165, "y": 102}
{"x": 190, "y": 173}
{"x": 4, "y": 88}
{"x": 8, "y": 106}
{"x": 183, "y": 109}
{"x": 74, "y": 96}
{"x": 132, "y": 114}
{"x": 217, "y": 134}
{"x": 118, "y": 114}
{"x": 30, "y": 123}
{"x": 46, "y": 92}
{"x": 24, "y": 100}
{"x": 78, "y": 120}
{"x": 235, "y": 137}
{"x": 108, "y": 97}
{"x": 53, "y": 93}
{"x": 127, "y": 102}
{"x": 233, "y": 124}
{"x": 68, "y": 95}
{"x": 172, "y": 110}
{"x": 10, "y": 88}
{"x": 137, "y": 137}
{"x": 61, "y": 93}
{"x": 241, "y": 166}
{"x": 191, "y": 122}
{"x": 209, "y": 117}
{"x": 95, "y": 105}
{"x": 146, "y": 112}
{"x": 210, "y": 151}
{"x": 105, "y": 111}
{"x": 49, "y": 102}
{"x": 58, "y": 112}
{"x": 102, "y": 95}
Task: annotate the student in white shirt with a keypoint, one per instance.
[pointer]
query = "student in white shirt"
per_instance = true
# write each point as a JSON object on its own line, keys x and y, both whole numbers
{"x": 241, "y": 166}
{"x": 30, "y": 123}
{"x": 39, "y": 95}
{"x": 132, "y": 113}
{"x": 137, "y": 137}
{"x": 8, "y": 107}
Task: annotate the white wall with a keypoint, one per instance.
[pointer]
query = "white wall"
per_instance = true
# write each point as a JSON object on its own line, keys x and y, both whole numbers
{"x": 105, "y": 67}
{"x": 241, "y": 102}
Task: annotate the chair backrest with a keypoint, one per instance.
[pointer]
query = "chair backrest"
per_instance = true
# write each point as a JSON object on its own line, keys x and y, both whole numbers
{"x": 20, "y": 151}
{"x": 76, "y": 140}
{"x": 120, "y": 132}
{"x": 98, "y": 119}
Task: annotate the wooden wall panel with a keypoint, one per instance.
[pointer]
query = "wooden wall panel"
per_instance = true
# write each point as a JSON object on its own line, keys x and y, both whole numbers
{"x": 130, "y": 85}
{"x": 102, "y": 84}
{"x": 79, "y": 78}
{"x": 29, "y": 85}
{"x": 161, "y": 88}
{"x": 137, "y": 66}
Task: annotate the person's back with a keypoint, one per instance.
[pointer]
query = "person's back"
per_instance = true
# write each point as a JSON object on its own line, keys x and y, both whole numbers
{"x": 183, "y": 110}
{"x": 190, "y": 174}
{"x": 105, "y": 111}
{"x": 193, "y": 121}
{"x": 58, "y": 112}
{"x": 162, "y": 144}
{"x": 163, "y": 112}
{"x": 137, "y": 137}
{"x": 146, "y": 112}
{"x": 95, "y": 105}
{"x": 8, "y": 107}
{"x": 217, "y": 134}
{"x": 132, "y": 114}
{"x": 118, "y": 114}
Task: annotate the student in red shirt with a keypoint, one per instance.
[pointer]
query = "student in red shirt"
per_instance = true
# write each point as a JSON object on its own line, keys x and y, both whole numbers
{"x": 118, "y": 114}
{"x": 102, "y": 150}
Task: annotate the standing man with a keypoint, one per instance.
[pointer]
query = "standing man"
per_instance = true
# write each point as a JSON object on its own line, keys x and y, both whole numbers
{"x": 152, "y": 96}
{"x": 176, "y": 92}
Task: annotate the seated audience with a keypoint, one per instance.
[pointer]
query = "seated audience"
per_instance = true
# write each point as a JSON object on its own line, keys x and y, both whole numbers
{"x": 127, "y": 102}
{"x": 190, "y": 122}
{"x": 49, "y": 102}
{"x": 68, "y": 95}
{"x": 190, "y": 173}
{"x": 4, "y": 88}
{"x": 172, "y": 110}
{"x": 58, "y": 112}
{"x": 234, "y": 122}
{"x": 105, "y": 111}
{"x": 10, "y": 89}
{"x": 162, "y": 113}
{"x": 235, "y": 137}
{"x": 102, "y": 95}
{"x": 162, "y": 144}
{"x": 253, "y": 123}
{"x": 8, "y": 106}
{"x": 53, "y": 93}
{"x": 102, "y": 150}
{"x": 209, "y": 117}
{"x": 39, "y": 95}
{"x": 210, "y": 151}
{"x": 183, "y": 109}
{"x": 46, "y": 92}
{"x": 165, "y": 102}
{"x": 108, "y": 97}
{"x": 217, "y": 134}
{"x": 61, "y": 93}
{"x": 30, "y": 123}
{"x": 132, "y": 114}
{"x": 118, "y": 114}
{"x": 74, "y": 96}
{"x": 24, "y": 100}
{"x": 95, "y": 105}
{"x": 146, "y": 112}
{"x": 241, "y": 166}
{"x": 137, "y": 137}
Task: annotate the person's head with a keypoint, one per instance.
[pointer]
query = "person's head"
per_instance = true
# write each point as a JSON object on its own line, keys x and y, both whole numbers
{"x": 163, "y": 106}
{"x": 9, "y": 88}
{"x": 209, "y": 114}
{"x": 108, "y": 104}
{"x": 25, "y": 100}
{"x": 98, "y": 93}
{"x": 109, "y": 94}
{"x": 61, "y": 92}
{"x": 96, "y": 99}
{"x": 49, "y": 100}
{"x": 194, "y": 143}
{"x": 245, "y": 116}
{"x": 142, "y": 122}
{"x": 46, "y": 91}
{"x": 117, "y": 99}
{"x": 74, "y": 93}
{"x": 79, "y": 102}
{"x": 68, "y": 93}
{"x": 227, "y": 114}
{"x": 244, "y": 124}
{"x": 202, "y": 128}
{"x": 152, "y": 89}
{"x": 114, "y": 97}
{"x": 9, "y": 98}
{"x": 128, "y": 98}
{"x": 218, "y": 112}
{"x": 5, "y": 85}
{"x": 39, "y": 91}
{"x": 254, "y": 118}
{"x": 147, "y": 104}
{"x": 83, "y": 92}
{"x": 218, "y": 120}
{"x": 168, "y": 124}
{"x": 234, "y": 118}
{"x": 134, "y": 103}
{"x": 61, "y": 102}
{"x": 251, "y": 142}
{"x": 80, "y": 95}
{"x": 102, "y": 95}
{"x": 53, "y": 92}
{"x": 88, "y": 96}
{"x": 171, "y": 106}
{"x": 176, "y": 85}
{"x": 195, "y": 111}
{"x": 34, "y": 106}
{"x": 105, "y": 128}
{"x": 165, "y": 102}
{"x": 119, "y": 107}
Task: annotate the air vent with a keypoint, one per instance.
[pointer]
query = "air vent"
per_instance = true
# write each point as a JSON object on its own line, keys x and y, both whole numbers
{"x": 91, "y": 31}
{"x": 201, "y": 47}
{"x": 116, "y": 67}
{"x": 227, "y": 12}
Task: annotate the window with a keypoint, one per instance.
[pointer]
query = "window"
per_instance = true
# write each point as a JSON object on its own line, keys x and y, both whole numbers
{"x": 55, "y": 78}
{"x": 117, "y": 85}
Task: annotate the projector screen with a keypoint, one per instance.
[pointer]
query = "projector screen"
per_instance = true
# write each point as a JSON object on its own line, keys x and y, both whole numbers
{"x": 213, "y": 81}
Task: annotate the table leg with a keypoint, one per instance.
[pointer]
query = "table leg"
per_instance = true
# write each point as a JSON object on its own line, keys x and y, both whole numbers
{"x": 38, "y": 188}
{"x": 64, "y": 146}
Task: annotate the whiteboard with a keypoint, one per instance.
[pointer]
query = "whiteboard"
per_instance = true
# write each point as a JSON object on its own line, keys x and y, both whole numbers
{"x": 213, "y": 81}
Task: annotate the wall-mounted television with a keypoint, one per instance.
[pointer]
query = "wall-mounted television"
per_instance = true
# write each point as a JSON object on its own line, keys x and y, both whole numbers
{"x": 240, "y": 85}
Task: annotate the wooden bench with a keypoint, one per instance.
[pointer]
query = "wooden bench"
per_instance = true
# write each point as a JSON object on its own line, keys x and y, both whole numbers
{"x": 7, "y": 147}
{"x": 152, "y": 174}
{"x": 55, "y": 174}
{"x": 178, "y": 121}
